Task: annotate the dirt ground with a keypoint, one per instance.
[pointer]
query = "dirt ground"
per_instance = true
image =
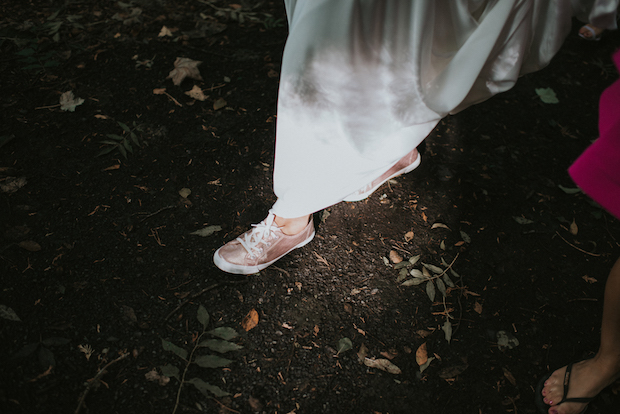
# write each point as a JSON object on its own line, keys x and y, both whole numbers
{"x": 105, "y": 288}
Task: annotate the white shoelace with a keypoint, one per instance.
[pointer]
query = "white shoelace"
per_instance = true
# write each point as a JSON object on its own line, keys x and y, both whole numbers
{"x": 262, "y": 230}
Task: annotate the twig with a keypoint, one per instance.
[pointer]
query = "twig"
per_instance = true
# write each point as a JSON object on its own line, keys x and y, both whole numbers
{"x": 281, "y": 270}
{"x": 182, "y": 380}
{"x": 157, "y": 212}
{"x": 48, "y": 107}
{"x": 195, "y": 295}
{"x": 224, "y": 407}
{"x": 96, "y": 379}
{"x": 572, "y": 245}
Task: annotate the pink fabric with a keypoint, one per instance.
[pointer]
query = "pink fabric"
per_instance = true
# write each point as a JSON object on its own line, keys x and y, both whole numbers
{"x": 597, "y": 170}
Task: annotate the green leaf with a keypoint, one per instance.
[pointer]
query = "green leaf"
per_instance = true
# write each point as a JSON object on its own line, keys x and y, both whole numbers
{"x": 344, "y": 344}
{"x": 203, "y": 316}
{"x": 105, "y": 151}
{"x": 465, "y": 237}
{"x": 134, "y": 138}
{"x": 447, "y": 280}
{"x": 8, "y": 313}
{"x": 26, "y": 52}
{"x": 402, "y": 264}
{"x": 124, "y": 126}
{"x": 170, "y": 371}
{"x": 547, "y": 95}
{"x": 224, "y": 332}
{"x": 53, "y": 15}
{"x": 430, "y": 290}
{"x": 55, "y": 341}
{"x": 453, "y": 273}
{"x": 169, "y": 346}
{"x": 207, "y": 231}
{"x": 441, "y": 286}
{"x": 402, "y": 275}
{"x": 414, "y": 282}
{"x": 206, "y": 388}
{"x": 417, "y": 273}
{"x": 25, "y": 351}
{"x": 51, "y": 64}
{"x": 413, "y": 260}
{"x": 123, "y": 151}
{"x": 570, "y": 190}
{"x": 115, "y": 137}
{"x": 522, "y": 220}
{"x": 435, "y": 269}
{"x": 211, "y": 361}
{"x": 46, "y": 358}
{"x": 447, "y": 330}
{"x": 220, "y": 346}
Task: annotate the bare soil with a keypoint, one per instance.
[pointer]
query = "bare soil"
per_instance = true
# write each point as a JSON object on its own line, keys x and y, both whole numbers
{"x": 97, "y": 252}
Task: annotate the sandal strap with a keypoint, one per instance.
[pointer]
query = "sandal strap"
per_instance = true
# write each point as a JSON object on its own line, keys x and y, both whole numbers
{"x": 567, "y": 374}
{"x": 576, "y": 400}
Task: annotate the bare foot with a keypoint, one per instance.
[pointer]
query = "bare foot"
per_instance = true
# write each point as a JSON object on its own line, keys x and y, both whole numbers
{"x": 587, "y": 379}
{"x": 590, "y": 32}
{"x": 292, "y": 226}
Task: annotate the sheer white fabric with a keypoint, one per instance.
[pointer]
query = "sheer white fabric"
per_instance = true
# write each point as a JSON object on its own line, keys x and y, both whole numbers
{"x": 363, "y": 82}
{"x": 599, "y": 13}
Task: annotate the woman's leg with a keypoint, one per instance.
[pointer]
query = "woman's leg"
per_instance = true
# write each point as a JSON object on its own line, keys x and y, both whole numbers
{"x": 590, "y": 377}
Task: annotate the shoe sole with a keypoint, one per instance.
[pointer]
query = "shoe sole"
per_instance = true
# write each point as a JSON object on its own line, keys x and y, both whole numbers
{"x": 365, "y": 195}
{"x": 250, "y": 270}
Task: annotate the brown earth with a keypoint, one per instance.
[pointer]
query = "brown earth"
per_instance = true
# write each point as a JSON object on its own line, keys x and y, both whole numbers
{"x": 97, "y": 255}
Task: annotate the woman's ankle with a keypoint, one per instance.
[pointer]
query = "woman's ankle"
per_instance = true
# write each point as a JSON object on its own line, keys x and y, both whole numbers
{"x": 292, "y": 226}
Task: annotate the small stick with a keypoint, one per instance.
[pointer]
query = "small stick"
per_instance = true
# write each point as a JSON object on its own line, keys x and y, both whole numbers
{"x": 572, "y": 245}
{"x": 157, "y": 212}
{"x": 48, "y": 107}
{"x": 195, "y": 295}
{"x": 224, "y": 407}
{"x": 96, "y": 378}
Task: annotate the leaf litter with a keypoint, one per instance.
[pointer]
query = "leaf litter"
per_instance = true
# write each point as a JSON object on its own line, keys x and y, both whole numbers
{"x": 184, "y": 68}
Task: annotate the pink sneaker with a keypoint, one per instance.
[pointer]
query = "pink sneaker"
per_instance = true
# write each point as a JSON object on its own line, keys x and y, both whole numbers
{"x": 260, "y": 247}
{"x": 406, "y": 164}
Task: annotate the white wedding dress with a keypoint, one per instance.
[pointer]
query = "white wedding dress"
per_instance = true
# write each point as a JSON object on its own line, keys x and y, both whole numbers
{"x": 363, "y": 82}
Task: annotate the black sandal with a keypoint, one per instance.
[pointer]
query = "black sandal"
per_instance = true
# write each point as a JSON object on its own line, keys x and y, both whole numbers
{"x": 544, "y": 407}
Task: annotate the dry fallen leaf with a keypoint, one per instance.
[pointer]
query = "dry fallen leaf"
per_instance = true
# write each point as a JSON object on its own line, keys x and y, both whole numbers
{"x": 453, "y": 371}
{"x": 478, "y": 307}
{"x": 383, "y": 365}
{"x": 185, "y": 192}
{"x": 68, "y": 102}
{"x": 362, "y": 353}
{"x": 390, "y": 354}
{"x": 30, "y": 245}
{"x": 421, "y": 355}
{"x": 439, "y": 225}
{"x": 207, "y": 231}
{"x": 250, "y": 321}
{"x": 152, "y": 375}
{"x": 589, "y": 279}
{"x": 573, "y": 228}
{"x": 184, "y": 68}
{"x": 510, "y": 377}
{"x": 164, "y": 32}
{"x": 12, "y": 184}
{"x": 219, "y": 103}
{"x": 196, "y": 93}
{"x": 159, "y": 91}
{"x": 422, "y": 333}
{"x": 408, "y": 236}
{"x": 395, "y": 257}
